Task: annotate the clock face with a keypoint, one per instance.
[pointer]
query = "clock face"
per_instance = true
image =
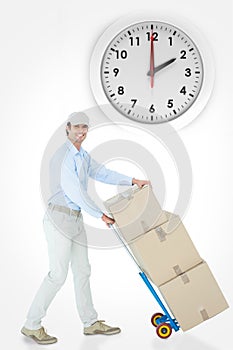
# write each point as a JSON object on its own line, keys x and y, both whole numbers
{"x": 152, "y": 72}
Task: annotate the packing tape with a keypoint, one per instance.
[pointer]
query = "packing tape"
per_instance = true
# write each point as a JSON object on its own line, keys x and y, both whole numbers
{"x": 161, "y": 234}
{"x": 177, "y": 270}
{"x": 127, "y": 194}
{"x": 204, "y": 314}
{"x": 185, "y": 278}
{"x": 145, "y": 227}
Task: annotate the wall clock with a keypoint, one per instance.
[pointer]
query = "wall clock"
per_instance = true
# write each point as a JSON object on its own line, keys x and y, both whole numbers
{"x": 152, "y": 70}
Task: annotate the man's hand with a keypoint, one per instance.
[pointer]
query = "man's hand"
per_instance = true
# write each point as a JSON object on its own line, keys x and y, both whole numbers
{"x": 140, "y": 183}
{"x": 108, "y": 221}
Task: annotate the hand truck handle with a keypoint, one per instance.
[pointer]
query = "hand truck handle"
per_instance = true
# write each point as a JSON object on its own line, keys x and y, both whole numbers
{"x": 124, "y": 244}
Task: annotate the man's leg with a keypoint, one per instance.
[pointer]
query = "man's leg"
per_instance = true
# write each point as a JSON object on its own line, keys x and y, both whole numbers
{"x": 59, "y": 249}
{"x": 81, "y": 274}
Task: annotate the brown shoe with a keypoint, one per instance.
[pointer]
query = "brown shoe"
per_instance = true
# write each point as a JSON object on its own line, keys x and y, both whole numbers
{"x": 101, "y": 328}
{"x": 39, "y": 335}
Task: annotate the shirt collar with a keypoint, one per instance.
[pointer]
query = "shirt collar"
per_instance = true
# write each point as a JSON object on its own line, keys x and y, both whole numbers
{"x": 74, "y": 151}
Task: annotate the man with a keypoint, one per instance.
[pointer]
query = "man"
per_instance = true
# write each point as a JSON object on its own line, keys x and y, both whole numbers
{"x": 70, "y": 168}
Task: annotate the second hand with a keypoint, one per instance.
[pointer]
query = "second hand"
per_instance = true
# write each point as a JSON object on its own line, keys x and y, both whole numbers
{"x": 152, "y": 60}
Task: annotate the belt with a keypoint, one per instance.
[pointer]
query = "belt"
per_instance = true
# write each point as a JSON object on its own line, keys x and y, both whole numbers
{"x": 65, "y": 210}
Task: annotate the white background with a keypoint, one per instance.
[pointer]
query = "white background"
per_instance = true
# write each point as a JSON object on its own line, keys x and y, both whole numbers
{"x": 45, "y": 52}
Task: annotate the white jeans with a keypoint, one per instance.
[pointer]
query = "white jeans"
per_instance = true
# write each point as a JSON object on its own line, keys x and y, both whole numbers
{"x": 63, "y": 232}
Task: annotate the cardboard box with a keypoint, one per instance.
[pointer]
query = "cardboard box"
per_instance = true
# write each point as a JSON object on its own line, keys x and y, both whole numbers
{"x": 194, "y": 296}
{"x": 136, "y": 211}
{"x": 165, "y": 251}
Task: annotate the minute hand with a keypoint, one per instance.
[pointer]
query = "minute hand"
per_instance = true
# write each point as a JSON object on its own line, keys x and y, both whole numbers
{"x": 161, "y": 66}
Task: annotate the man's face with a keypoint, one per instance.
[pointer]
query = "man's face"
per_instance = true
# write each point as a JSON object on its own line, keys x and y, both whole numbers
{"x": 77, "y": 133}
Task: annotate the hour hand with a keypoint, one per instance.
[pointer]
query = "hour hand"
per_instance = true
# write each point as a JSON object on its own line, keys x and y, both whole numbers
{"x": 161, "y": 66}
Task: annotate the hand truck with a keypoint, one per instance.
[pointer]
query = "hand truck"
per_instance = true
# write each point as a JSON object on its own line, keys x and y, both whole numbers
{"x": 163, "y": 322}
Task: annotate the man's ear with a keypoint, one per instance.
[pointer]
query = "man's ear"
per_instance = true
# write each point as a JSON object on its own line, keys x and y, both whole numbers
{"x": 67, "y": 129}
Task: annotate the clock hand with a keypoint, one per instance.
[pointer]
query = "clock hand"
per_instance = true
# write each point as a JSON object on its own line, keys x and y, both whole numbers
{"x": 161, "y": 66}
{"x": 152, "y": 64}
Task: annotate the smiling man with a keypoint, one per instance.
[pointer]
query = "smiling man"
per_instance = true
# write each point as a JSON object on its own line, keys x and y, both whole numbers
{"x": 70, "y": 168}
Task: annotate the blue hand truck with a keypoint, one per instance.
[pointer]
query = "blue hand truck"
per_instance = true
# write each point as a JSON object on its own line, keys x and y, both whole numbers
{"x": 163, "y": 322}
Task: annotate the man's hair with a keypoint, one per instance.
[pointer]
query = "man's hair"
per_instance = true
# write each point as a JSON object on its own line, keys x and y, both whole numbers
{"x": 69, "y": 125}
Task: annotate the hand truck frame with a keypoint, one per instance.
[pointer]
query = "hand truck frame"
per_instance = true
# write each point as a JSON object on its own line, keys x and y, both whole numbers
{"x": 164, "y": 322}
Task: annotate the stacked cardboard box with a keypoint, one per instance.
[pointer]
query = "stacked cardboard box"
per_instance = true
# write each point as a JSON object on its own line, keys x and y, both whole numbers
{"x": 194, "y": 296}
{"x": 136, "y": 212}
{"x": 165, "y": 252}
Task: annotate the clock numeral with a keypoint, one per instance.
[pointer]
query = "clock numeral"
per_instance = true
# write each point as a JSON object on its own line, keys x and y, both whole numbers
{"x": 170, "y": 103}
{"x": 134, "y": 102}
{"x": 116, "y": 71}
{"x": 170, "y": 40}
{"x": 134, "y": 41}
{"x": 152, "y": 109}
{"x": 154, "y": 34}
{"x": 121, "y": 54}
{"x": 183, "y": 90}
{"x": 188, "y": 72}
{"x": 121, "y": 90}
{"x": 183, "y": 55}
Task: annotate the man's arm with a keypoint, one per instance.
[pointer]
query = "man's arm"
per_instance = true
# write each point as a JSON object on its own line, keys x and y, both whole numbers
{"x": 100, "y": 173}
{"x": 73, "y": 189}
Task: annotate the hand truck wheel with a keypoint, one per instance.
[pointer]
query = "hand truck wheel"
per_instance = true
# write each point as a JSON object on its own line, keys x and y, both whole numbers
{"x": 155, "y": 317}
{"x": 164, "y": 330}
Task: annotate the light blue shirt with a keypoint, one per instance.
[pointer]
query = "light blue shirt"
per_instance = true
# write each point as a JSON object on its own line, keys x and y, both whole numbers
{"x": 69, "y": 172}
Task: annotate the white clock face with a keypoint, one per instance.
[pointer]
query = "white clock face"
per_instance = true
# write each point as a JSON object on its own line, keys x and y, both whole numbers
{"x": 152, "y": 72}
